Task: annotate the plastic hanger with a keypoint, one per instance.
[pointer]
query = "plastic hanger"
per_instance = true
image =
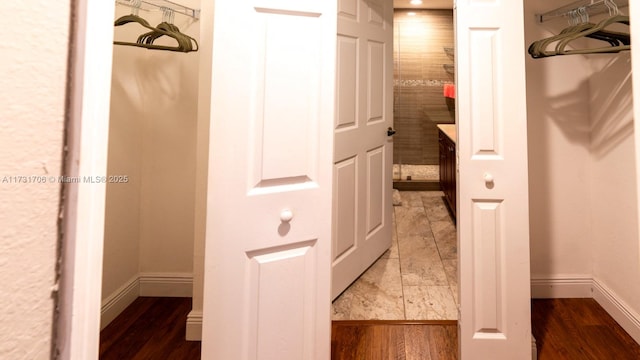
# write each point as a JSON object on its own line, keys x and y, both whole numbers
{"x": 600, "y": 27}
{"x": 184, "y": 43}
{"x": 537, "y": 48}
{"x": 617, "y": 41}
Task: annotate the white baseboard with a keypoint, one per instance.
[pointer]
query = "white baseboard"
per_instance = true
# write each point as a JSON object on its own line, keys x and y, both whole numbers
{"x": 181, "y": 285}
{"x": 166, "y": 284}
{"x": 119, "y": 300}
{"x": 562, "y": 287}
{"x": 145, "y": 284}
{"x": 618, "y": 309}
{"x": 587, "y": 287}
{"x": 194, "y": 326}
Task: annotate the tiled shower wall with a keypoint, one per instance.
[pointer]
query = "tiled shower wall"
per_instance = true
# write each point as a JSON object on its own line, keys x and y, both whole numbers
{"x": 421, "y": 68}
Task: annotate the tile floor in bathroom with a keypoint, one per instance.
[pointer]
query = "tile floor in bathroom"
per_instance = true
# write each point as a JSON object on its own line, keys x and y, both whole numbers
{"x": 417, "y": 278}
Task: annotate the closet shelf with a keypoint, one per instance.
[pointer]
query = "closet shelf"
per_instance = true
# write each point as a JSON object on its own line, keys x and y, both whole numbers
{"x": 159, "y": 4}
{"x": 593, "y": 7}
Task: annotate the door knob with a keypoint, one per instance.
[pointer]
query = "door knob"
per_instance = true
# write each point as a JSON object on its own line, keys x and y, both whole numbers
{"x": 488, "y": 178}
{"x": 390, "y": 131}
{"x": 286, "y": 215}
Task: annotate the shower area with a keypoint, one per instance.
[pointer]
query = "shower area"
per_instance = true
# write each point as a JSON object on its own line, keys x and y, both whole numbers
{"x": 424, "y": 94}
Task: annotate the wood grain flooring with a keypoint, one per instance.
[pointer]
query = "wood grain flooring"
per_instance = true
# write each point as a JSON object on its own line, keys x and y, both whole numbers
{"x": 371, "y": 340}
{"x": 565, "y": 329}
{"x": 150, "y": 328}
{"x": 579, "y": 329}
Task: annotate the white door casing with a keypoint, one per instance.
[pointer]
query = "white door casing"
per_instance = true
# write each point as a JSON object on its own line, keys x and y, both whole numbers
{"x": 363, "y": 152}
{"x": 493, "y": 219}
{"x": 634, "y": 12}
{"x": 78, "y": 328}
{"x": 268, "y": 237}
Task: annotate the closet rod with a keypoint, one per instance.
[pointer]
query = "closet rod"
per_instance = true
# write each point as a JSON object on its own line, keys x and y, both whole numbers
{"x": 185, "y": 10}
{"x": 593, "y": 7}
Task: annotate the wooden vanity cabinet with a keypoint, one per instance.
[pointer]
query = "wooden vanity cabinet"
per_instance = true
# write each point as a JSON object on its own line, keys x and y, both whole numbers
{"x": 448, "y": 169}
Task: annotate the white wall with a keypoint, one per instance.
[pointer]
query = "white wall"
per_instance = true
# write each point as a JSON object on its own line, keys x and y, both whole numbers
{"x": 32, "y": 110}
{"x": 613, "y": 191}
{"x": 150, "y": 220}
{"x": 559, "y": 160}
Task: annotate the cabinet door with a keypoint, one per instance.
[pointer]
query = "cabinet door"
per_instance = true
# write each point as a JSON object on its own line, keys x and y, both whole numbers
{"x": 443, "y": 161}
{"x": 451, "y": 176}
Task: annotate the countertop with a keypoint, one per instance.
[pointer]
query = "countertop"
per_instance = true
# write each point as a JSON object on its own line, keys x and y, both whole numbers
{"x": 449, "y": 130}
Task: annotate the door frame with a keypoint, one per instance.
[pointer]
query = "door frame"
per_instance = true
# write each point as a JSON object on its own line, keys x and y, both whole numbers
{"x": 87, "y": 136}
{"x": 79, "y": 320}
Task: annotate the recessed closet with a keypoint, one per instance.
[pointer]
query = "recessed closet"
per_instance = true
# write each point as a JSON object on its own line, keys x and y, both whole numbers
{"x": 582, "y": 168}
{"x": 149, "y": 221}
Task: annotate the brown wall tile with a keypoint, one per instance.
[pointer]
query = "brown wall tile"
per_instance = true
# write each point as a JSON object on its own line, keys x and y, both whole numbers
{"x": 419, "y": 76}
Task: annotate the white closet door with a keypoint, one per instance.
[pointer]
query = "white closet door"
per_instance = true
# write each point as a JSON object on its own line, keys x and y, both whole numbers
{"x": 268, "y": 240}
{"x": 493, "y": 219}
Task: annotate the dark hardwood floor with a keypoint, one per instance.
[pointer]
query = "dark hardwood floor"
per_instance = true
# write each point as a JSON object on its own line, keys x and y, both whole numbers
{"x": 150, "y": 328}
{"x": 371, "y": 340}
{"x": 571, "y": 329}
{"x": 579, "y": 329}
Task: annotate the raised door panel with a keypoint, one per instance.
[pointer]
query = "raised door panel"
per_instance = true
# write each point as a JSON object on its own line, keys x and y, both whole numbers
{"x": 268, "y": 238}
{"x": 493, "y": 185}
{"x": 362, "y": 209}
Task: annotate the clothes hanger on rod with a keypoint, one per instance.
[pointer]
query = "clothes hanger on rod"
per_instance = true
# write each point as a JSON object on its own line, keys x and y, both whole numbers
{"x": 618, "y": 41}
{"x": 614, "y": 18}
{"x": 184, "y": 42}
{"x": 537, "y": 48}
{"x": 133, "y": 17}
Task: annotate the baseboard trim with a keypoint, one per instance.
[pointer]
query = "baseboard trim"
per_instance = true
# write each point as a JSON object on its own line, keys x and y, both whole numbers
{"x": 145, "y": 284}
{"x": 194, "y": 326}
{"x": 119, "y": 300}
{"x": 588, "y": 287}
{"x": 166, "y": 284}
{"x": 181, "y": 285}
{"x": 562, "y": 287}
{"x": 618, "y": 309}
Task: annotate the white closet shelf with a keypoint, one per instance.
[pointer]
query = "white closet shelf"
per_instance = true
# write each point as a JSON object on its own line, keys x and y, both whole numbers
{"x": 158, "y": 4}
{"x": 593, "y": 7}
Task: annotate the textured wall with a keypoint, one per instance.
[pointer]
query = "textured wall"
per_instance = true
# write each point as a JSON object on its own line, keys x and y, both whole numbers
{"x": 419, "y": 75}
{"x": 32, "y": 107}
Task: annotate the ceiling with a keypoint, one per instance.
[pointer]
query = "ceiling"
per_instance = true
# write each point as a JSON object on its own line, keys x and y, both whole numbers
{"x": 426, "y": 4}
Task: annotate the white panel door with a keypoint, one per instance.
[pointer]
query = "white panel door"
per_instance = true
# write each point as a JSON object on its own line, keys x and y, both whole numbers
{"x": 268, "y": 237}
{"x": 493, "y": 219}
{"x": 363, "y": 151}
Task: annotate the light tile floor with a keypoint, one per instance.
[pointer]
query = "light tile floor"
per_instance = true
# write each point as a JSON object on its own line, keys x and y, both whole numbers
{"x": 416, "y": 279}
